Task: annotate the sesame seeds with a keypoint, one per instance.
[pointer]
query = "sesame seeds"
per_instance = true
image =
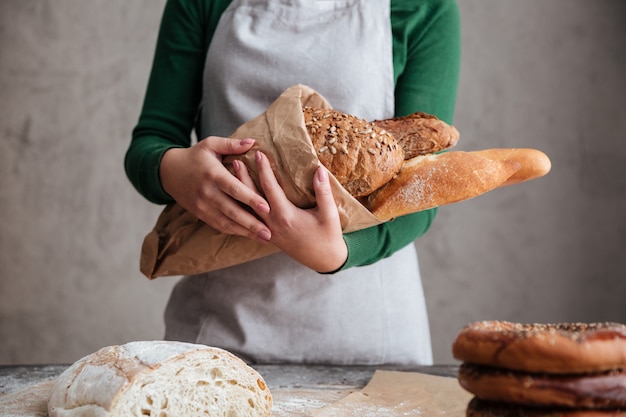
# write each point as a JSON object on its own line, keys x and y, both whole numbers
{"x": 359, "y": 154}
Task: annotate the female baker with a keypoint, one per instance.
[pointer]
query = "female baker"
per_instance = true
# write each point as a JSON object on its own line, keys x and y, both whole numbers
{"x": 328, "y": 297}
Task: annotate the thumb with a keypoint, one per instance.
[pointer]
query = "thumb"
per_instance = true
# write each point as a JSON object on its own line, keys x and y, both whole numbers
{"x": 324, "y": 194}
{"x": 228, "y": 146}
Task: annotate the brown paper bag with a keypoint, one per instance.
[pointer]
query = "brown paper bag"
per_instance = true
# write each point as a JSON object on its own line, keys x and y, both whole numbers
{"x": 180, "y": 244}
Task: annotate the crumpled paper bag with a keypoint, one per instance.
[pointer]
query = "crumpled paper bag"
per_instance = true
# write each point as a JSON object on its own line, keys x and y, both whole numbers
{"x": 181, "y": 244}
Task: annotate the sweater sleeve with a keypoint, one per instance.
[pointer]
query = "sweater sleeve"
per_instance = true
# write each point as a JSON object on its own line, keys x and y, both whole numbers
{"x": 427, "y": 49}
{"x": 426, "y": 58}
{"x": 173, "y": 93}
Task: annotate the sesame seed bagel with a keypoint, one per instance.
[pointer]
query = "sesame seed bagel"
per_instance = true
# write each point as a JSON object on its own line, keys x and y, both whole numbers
{"x": 482, "y": 408}
{"x": 591, "y": 390}
{"x": 566, "y": 348}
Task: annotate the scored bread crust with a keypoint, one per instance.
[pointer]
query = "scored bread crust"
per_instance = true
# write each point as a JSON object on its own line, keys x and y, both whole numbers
{"x": 420, "y": 133}
{"x": 533, "y": 163}
{"x": 159, "y": 378}
{"x": 589, "y": 390}
{"x": 359, "y": 154}
{"x": 550, "y": 348}
{"x": 429, "y": 181}
{"x": 483, "y": 408}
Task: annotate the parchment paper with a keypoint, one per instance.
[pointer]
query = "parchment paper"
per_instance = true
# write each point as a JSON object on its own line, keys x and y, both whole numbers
{"x": 180, "y": 244}
{"x": 391, "y": 394}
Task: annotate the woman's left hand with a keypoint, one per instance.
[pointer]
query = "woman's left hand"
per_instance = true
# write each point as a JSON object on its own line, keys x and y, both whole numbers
{"x": 313, "y": 236}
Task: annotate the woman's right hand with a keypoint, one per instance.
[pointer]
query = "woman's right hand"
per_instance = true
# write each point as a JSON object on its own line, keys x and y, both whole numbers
{"x": 197, "y": 179}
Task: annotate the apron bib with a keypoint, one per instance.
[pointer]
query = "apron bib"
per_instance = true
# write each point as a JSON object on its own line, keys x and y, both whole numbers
{"x": 274, "y": 310}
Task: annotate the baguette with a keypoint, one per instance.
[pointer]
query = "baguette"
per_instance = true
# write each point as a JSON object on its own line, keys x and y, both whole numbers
{"x": 159, "y": 378}
{"x": 534, "y": 163}
{"x": 430, "y": 181}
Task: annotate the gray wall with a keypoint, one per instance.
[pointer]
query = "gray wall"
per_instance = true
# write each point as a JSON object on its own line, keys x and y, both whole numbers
{"x": 536, "y": 73}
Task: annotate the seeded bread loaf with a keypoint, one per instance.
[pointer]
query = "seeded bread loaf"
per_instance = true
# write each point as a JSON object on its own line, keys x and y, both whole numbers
{"x": 359, "y": 154}
{"x": 420, "y": 133}
{"x": 587, "y": 390}
{"x": 484, "y": 408}
{"x": 159, "y": 378}
{"x": 565, "y": 348}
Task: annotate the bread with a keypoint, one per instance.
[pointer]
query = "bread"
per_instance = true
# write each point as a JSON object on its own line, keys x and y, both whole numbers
{"x": 593, "y": 390}
{"x": 482, "y": 408}
{"x": 360, "y": 155}
{"x": 564, "y": 369}
{"x": 420, "y": 133}
{"x": 435, "y": 180}
{"x": 565, "y": 348}
{"x": 533, "y": 163}
{"x": 159, "y": 378}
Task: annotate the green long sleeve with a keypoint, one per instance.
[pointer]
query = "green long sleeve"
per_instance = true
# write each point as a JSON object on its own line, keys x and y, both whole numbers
{"x": 426, "y": 59}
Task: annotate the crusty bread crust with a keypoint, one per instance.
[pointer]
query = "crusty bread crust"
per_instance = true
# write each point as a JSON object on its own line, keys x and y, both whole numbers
{"x": 481, "y": 408}
{"x": 159, "y": 378}
{"x": 589, "y": 390}
{"x": 550, "y": 348}
{"x": 360, "y": 155}
{"x": 533, "y": 163}
{"x": 420, "y": 133}
{"x": 435, "y": 180}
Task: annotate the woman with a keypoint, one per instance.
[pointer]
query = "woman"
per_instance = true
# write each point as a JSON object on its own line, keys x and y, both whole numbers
{"x": 220, "y": 63}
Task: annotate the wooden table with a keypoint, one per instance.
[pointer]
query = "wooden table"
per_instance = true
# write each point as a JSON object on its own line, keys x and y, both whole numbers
{"x": 295, "y": 388}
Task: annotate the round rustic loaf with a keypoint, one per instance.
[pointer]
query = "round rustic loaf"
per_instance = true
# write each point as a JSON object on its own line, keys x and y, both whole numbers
{"x": 161, "y": 379}
{"x": 360, "y": 155}
{"x": 566, "y": 348}
{"x": 589, "y": 390}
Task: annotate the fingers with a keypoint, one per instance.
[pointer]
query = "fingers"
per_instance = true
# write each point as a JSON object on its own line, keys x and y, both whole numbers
{"x": 241, "y": 171}
{"x": 197, "y": 179}
{"x": 245, "y": 194}
{"x": 324, "y": 195}
{"x": 228, "y": 146}
{"x": 273, "y": 191}
{"x": 233, "y": 219}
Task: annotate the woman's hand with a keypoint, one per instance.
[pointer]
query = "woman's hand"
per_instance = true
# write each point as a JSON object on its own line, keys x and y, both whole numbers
{"x": 312, "y": 237}
{"x": 197, "y": 179}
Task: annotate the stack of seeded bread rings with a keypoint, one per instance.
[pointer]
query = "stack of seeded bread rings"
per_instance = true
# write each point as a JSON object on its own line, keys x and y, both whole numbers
{"x": 568, "y": 369}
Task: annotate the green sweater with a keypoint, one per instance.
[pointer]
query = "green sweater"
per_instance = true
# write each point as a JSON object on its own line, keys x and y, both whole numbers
{"x": 426, "y": 59}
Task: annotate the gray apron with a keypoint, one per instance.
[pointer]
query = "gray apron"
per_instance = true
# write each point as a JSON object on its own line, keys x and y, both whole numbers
{"x": 275, "y": 310}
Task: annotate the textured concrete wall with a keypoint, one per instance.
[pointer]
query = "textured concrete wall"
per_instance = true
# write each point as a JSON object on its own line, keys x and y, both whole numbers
{"x": 535, "y": 73}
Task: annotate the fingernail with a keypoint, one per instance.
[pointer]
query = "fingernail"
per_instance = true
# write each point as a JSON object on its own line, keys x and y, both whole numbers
{"x": 265, "y": 235}
{"x": 258, "y": 156}
{"x": 263, "y": 207}
{"x": 246, "y": 142}
{"x": 322, "y": 175}
{"x": 236, "y": 165}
